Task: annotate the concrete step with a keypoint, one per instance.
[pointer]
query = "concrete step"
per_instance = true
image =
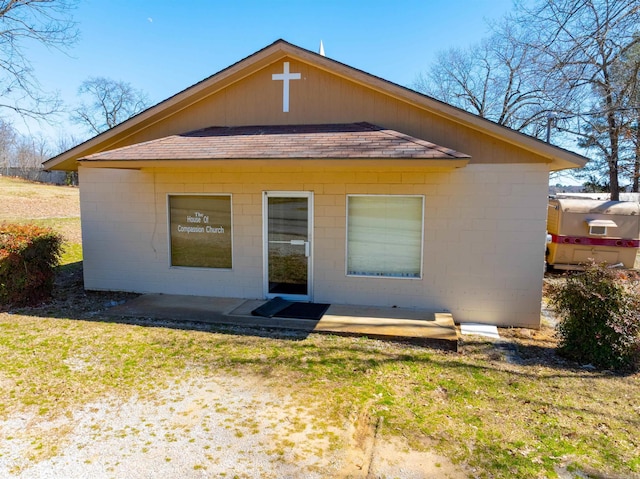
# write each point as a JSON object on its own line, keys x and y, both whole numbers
{"x": 398, "y": 324}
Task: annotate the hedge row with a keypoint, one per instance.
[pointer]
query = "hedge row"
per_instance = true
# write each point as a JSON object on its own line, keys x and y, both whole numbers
{"x": 28, "y": 256}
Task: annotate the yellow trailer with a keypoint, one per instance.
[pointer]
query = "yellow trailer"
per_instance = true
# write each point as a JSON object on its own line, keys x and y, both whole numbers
{"x": 582, "y": 230}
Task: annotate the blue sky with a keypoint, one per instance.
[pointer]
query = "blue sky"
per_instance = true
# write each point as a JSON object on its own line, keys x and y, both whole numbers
{"x": 164, "y": 47}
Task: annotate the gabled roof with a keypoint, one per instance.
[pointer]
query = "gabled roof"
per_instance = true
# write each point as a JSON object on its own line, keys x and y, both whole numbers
{"x": 353, "y": 141}
{"x": 557, "y": 157}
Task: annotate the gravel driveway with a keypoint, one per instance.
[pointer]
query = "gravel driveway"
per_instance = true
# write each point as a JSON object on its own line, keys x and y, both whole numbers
{"x": 207, "y": 427}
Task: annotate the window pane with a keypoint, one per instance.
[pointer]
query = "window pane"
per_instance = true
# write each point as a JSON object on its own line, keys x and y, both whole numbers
{"x": 200, "y": 229}
{"x": 288, "y": 264}
{"x": 384, "y": 236}
{"x": 598, "y": 230}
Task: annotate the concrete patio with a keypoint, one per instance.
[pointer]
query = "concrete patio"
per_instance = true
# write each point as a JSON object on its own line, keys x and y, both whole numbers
{"x": 397, "y": 324}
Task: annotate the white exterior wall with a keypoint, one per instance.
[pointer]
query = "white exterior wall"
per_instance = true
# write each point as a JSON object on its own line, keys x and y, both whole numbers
{"x": 483, "y": 252}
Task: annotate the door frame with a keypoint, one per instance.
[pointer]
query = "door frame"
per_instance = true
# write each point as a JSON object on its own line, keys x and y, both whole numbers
{"x": 265, "y": 243}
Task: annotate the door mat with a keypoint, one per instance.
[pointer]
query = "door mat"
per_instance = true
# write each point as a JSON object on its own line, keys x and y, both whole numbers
{"x": 313, "y": 311}
{"x": 271, "y": 308}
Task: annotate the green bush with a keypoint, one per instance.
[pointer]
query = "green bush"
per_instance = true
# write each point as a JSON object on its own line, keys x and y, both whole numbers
{"x": 599, "y": 318}
{"x": 28, "y": 256}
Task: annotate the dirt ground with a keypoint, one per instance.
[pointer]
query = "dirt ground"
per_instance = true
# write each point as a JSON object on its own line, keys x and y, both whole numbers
{"x": 210, "y": 427}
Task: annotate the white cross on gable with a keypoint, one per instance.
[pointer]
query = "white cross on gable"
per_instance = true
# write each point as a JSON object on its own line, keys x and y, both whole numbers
{"x": 285, "y": 77}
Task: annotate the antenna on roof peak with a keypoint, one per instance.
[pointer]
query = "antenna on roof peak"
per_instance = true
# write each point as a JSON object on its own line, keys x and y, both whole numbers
{"x": 321, "y": 49}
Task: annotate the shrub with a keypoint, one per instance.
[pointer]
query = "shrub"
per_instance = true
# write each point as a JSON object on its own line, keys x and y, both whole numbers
{"x": 599, "y": 318}
{"x": 28, "y": 256}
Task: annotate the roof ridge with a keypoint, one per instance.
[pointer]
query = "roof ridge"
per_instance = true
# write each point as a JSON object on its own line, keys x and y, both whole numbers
{"x": 364, "y": 124}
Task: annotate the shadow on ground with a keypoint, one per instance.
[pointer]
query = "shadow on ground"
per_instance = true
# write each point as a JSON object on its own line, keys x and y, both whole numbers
{"x": 71, "y": 301}
{"x": 518, "y": 347}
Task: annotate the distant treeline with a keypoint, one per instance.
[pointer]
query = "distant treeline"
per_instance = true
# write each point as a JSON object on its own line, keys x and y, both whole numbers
{"x": 40, "y": 175}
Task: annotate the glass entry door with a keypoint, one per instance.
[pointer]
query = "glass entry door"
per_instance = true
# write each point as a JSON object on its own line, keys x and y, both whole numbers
{"x": 287, "y": 220}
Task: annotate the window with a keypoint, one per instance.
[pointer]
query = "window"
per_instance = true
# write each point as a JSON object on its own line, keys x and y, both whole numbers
{"x": 200, "y": 231}
{"x": 385, "y": 236}
{"x": 598, "y": 230}
{"x": 598, "y": 227}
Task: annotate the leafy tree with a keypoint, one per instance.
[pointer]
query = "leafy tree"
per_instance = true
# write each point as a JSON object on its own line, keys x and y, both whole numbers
{"x": 109, "y": 102}
{"x": 595, "y": 185}
{"x": 24, "y": 23}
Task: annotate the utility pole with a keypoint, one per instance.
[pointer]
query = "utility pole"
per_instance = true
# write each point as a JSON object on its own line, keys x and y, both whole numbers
{"x": 552, "y": 116}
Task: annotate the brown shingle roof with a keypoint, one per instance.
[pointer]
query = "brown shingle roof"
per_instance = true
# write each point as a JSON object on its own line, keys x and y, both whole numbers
{"x": 351, "y": 140}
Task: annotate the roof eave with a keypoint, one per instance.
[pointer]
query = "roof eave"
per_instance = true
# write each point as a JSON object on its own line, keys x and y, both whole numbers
{"x": 435, "y": 164}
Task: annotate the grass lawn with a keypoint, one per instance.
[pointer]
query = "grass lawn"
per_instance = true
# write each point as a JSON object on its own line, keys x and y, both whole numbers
{"x": 56, "y": 207}
{"x": 498, "y": 417}
{"x": 499, "y": 412}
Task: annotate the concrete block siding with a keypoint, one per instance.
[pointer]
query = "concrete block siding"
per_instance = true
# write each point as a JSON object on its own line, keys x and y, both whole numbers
{"x": 483, "y": 234}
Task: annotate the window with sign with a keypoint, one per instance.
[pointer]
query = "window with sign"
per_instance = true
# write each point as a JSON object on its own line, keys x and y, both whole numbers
{"x": 200, "y": 231}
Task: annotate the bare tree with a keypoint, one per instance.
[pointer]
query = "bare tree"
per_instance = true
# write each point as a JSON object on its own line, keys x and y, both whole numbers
{"x": 64, "y": 141}
{"x": 627, "y": 72}
{"x": 563, "y": 62}
{"x": 595, "y": 133}
{"x": 494, "y": 79}
{"x": 578, "y": 45}
{"x": 8, "y": 138}
{"x": 30, "y": 152}
{"x": 109, "y": 102}
{"x": 21, "y": 155}
{"x": 23, "y": 23}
